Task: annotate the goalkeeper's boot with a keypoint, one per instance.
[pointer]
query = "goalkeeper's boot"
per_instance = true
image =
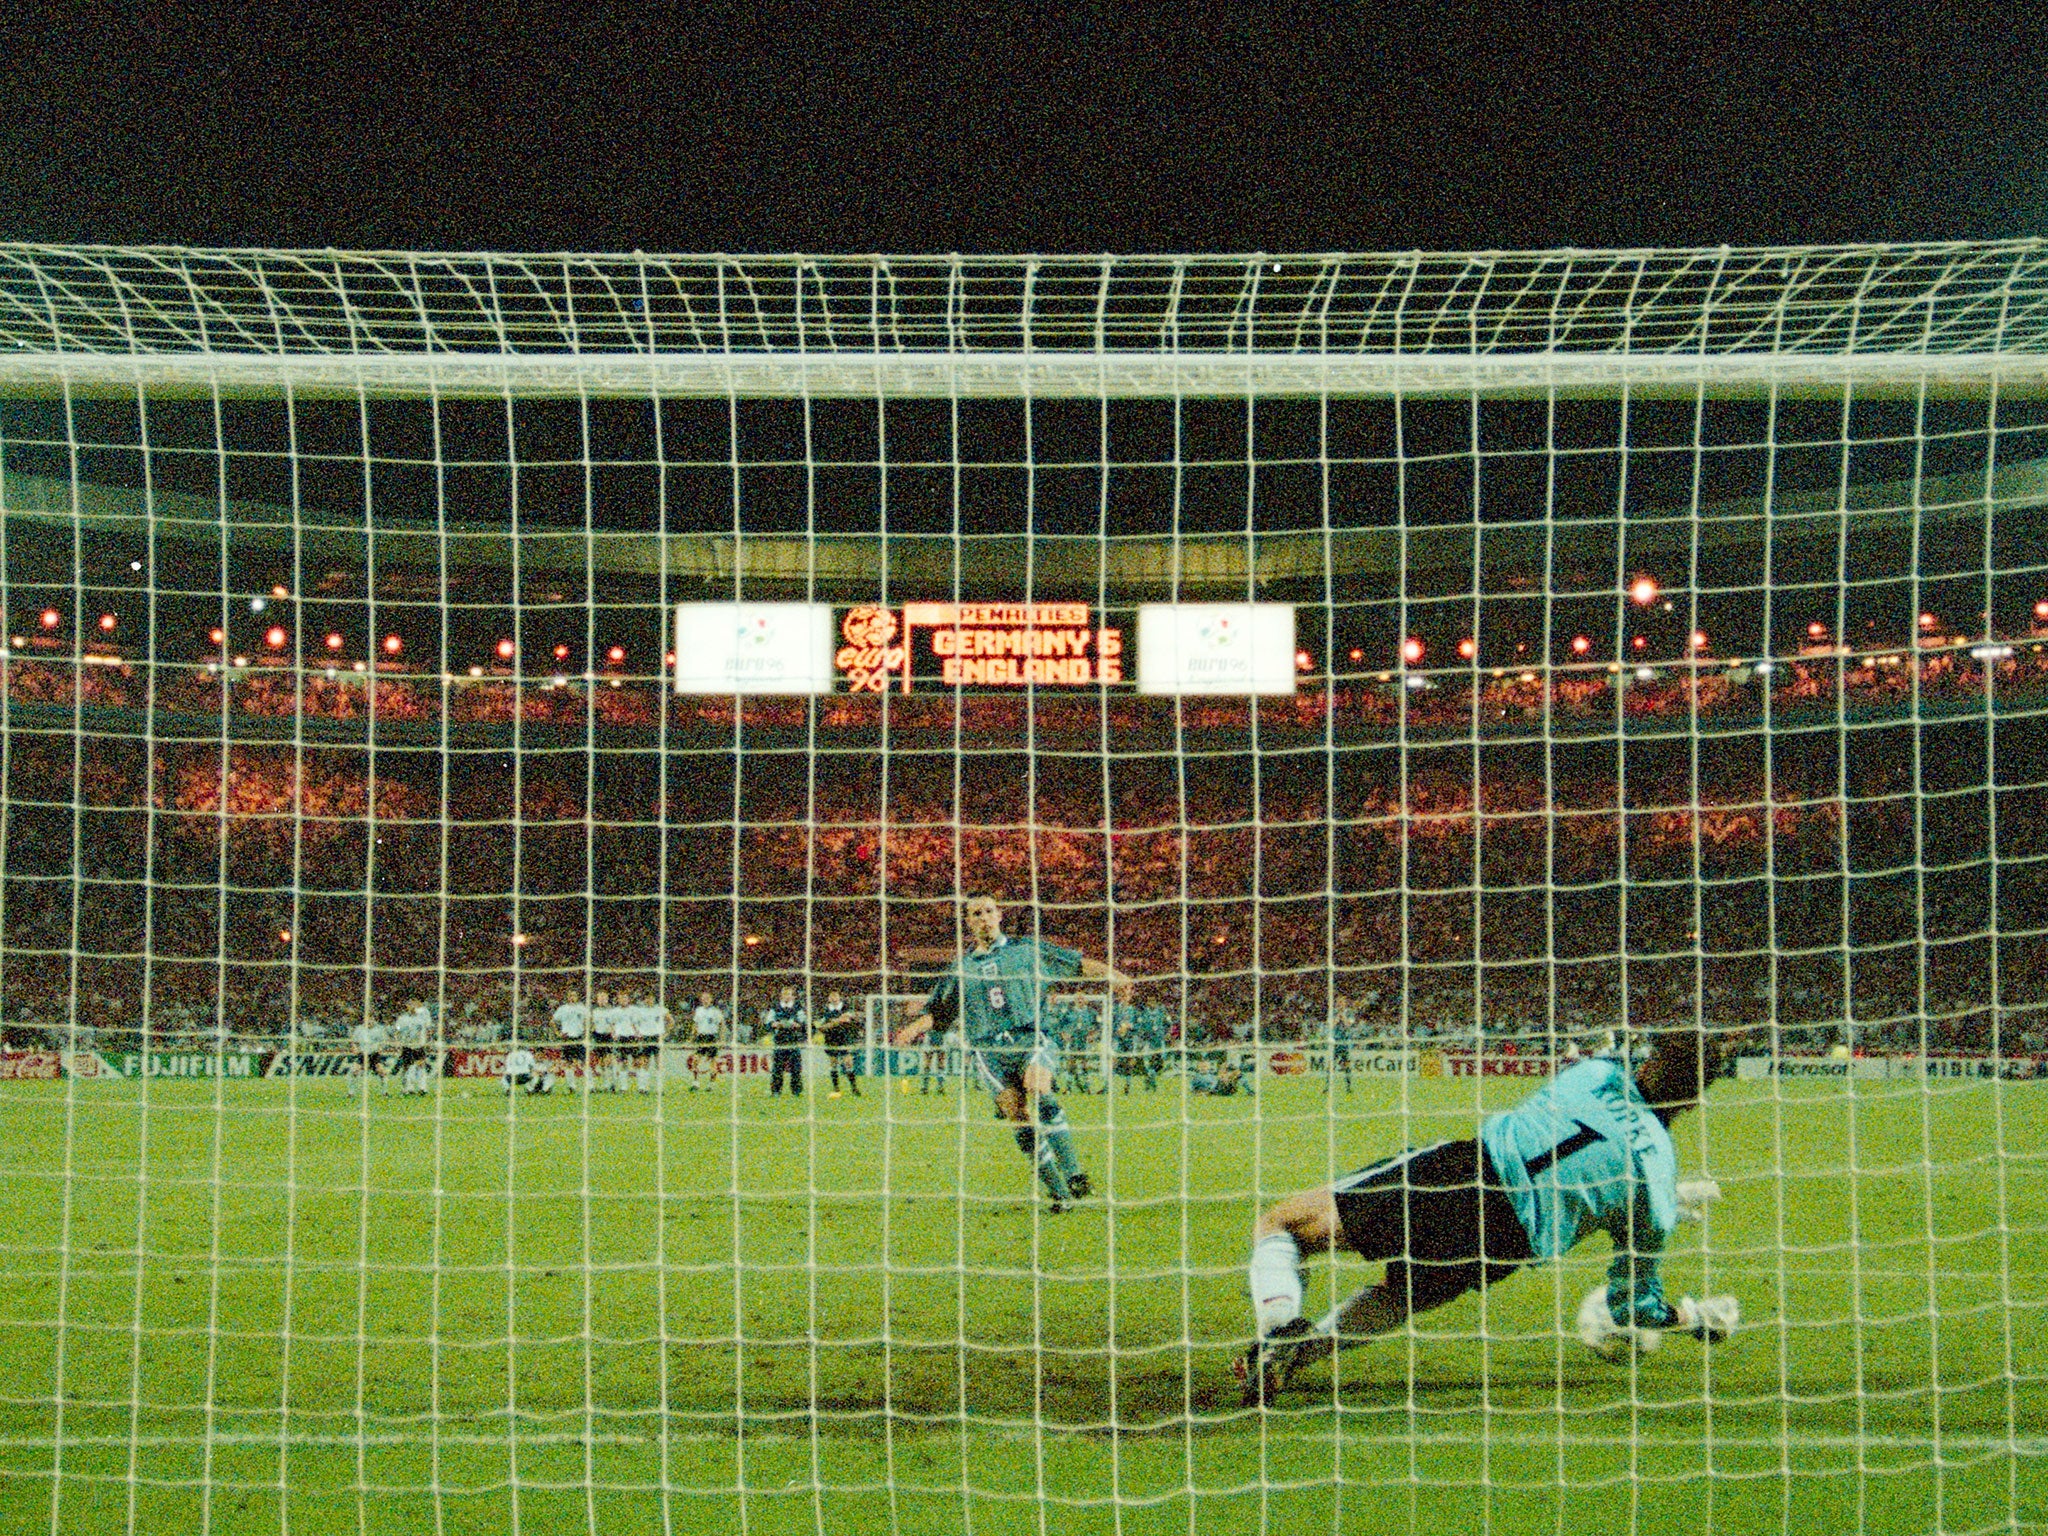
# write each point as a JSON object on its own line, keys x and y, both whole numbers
{"x": 1265, "y": 1367}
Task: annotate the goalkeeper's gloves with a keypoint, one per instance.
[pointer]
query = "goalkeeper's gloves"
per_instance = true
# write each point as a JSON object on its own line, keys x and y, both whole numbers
{"x": 1694, "y": 1196}
{"x": 1710, "y": 1319}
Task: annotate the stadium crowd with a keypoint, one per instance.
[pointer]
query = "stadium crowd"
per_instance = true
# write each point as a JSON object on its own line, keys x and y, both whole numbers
{"x": 1953, "y": 673}
{"x": 246, "y": 890}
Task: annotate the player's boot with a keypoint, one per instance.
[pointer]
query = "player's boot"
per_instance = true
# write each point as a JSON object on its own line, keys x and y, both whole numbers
{"x": 1265, "y": 1367}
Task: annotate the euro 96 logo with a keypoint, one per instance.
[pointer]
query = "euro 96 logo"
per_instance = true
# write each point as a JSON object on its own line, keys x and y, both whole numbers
{"x": 870, "y": 653}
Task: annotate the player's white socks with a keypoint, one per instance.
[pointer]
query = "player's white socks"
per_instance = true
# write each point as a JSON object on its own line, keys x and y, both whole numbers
{"x": 645, "y": 1079}
{"x": 1276, "y": 1280}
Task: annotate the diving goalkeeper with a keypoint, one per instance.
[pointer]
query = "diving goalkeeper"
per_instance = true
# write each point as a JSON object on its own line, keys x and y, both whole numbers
{"x": 1589, "y": 1151}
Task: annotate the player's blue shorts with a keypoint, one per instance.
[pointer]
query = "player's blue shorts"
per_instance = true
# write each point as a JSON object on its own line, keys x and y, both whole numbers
{"x": 1001, "y": 1065}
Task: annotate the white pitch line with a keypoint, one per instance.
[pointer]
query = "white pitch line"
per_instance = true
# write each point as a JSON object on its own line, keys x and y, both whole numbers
{"x": 2026, "y": 1446}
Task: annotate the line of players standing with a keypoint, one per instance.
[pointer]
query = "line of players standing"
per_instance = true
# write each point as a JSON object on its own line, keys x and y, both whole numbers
{"x": 1138, "y": 1044}
{"x": 617, "y": 1041}
{"x": 613, "y": 1043}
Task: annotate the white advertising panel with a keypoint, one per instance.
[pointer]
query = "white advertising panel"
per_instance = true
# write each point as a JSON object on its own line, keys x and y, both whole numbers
{"x": 1241, "y": 648}
{"x": 753, "y": 648}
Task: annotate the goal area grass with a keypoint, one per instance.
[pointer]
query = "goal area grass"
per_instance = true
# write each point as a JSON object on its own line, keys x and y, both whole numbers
{"x": 269, "y": 1305}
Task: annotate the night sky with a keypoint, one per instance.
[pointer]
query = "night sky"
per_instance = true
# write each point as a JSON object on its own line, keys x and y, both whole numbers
{"x": 1135, "y": 129}
{"x": 1128, "y": 128}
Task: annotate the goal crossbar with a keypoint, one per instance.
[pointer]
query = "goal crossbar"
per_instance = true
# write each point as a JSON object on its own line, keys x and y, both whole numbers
{"x": 1017, "y": 374}
{"x": 1962, "y": 318}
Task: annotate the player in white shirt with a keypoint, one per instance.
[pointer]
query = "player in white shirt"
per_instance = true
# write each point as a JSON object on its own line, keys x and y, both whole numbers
{"x": 412, "y": 1031}
{"x": 706, "y": 1023}
{"x": 370, "y": 1038}
{"x": 655, "y": 1023}
{"x": 631, "y": 1025}
{"x": 610, "y": 1039}
{"x": 572, "y": 1023}
{"x": 522, "y": 1070}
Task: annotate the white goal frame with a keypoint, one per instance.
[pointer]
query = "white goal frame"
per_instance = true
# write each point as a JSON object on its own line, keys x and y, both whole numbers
{"x": 1943, "y": 318}
{"x": 1901, "y": 322}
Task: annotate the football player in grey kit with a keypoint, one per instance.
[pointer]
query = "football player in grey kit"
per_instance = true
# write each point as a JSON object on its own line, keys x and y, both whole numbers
{"x": 996, "y": 990}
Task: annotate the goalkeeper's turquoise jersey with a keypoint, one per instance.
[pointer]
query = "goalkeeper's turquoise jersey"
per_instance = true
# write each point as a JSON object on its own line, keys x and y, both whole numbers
{"x": 1585, "y": 1153}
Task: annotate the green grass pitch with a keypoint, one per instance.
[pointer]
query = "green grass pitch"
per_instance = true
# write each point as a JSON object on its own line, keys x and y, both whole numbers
{"x": 269, "y": 1307}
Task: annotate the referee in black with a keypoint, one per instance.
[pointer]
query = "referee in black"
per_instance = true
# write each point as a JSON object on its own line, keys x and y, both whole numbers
{"x": 787, "y": 1028}
{"x": 842, "y": 1029}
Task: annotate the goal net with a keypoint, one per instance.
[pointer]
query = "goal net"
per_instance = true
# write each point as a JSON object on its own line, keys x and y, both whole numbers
{"x": 1284, "y": 710}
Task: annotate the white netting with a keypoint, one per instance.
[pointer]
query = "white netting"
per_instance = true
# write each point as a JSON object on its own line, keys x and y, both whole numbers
{"x": 1673, "y": 649}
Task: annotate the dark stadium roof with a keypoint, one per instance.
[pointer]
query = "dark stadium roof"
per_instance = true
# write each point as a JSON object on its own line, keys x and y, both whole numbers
{"x": 41, "y": 512}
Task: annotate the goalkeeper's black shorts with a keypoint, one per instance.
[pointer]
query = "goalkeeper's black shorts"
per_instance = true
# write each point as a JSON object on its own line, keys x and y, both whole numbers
{"x": 1438, "y": 1216}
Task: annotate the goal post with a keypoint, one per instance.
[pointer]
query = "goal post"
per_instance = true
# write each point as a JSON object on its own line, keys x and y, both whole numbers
{"x": 1410, "y": 674}
{"x": 885, "y": 1014}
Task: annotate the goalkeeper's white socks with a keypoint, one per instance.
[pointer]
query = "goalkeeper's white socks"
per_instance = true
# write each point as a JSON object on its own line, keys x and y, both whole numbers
{"x": 1276, "y": 1280}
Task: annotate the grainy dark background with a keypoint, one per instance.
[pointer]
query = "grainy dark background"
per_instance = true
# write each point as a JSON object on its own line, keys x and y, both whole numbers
{"x": 1006, "y": 128}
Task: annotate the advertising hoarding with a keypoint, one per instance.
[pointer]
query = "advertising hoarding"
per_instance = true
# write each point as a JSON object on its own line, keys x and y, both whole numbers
{"x": 744, "y": 648}
{"x": 1216, "y": 648}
